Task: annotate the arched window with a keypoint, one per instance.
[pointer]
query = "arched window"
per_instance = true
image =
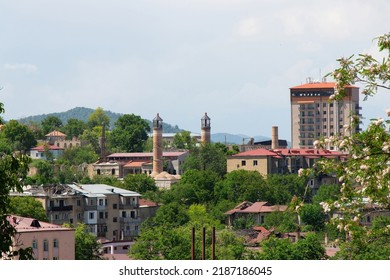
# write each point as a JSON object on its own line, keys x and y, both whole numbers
{"x": 113, "y": 171}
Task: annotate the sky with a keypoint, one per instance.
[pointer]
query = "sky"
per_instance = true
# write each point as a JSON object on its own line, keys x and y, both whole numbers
{"x": 235, "y": 60}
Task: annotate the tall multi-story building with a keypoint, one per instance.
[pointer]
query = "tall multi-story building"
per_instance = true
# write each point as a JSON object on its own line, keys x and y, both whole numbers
{"x": 314, "y": 115}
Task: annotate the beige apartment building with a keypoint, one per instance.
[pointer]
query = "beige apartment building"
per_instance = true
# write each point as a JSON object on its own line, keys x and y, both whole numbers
{"x": 109, "y": 212}
{"x": 314, "y": 115}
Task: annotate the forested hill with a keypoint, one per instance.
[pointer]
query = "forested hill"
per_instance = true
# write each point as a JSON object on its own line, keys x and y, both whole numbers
{"x": 83, "y": 113}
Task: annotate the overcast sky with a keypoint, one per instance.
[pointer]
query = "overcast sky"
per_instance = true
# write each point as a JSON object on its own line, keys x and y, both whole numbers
{"x": 235, "y": 60}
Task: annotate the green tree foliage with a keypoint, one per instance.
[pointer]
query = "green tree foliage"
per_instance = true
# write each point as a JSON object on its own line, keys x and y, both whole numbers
{"x": 130, "y": 133}
{"x": 171, "y": 240}
{"x": 92, "y": 137}
{"x": 282, "y": 188}
{"x": 241, "y": 185}
{"x": 79, "y": 155}
{"x": 371, "y": 245}
{"x": 365, "y": 175}
{"x": 19, "y": 136}
{"x": 183, "y": 140}
{"x": 74, "y": 128}
{"x": 27, "y": 206}
{"x": 86, "y": 245}
{"x": 51, "y": 123}
{"x": 327, "y": 193}
{"x": 13, "y": 170}
{"x": 312, "y": 215}
{"x": 210, "y": 157}
{"x": 195, "y": 187}
{"x": 309, "y": 248}
{"x": 140, "y": 183}
{"x": 285, "y": 221}
{"x": 98, "y": 118}
{"x": 45, "y": 172}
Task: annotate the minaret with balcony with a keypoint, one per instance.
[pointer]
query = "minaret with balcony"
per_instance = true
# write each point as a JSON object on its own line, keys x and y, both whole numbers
{"x": 205, "y": 129}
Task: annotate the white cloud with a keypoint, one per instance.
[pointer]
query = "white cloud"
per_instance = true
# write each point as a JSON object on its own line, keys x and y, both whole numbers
{"x": 25, "y": 67}
{"x": 248, "y": 27}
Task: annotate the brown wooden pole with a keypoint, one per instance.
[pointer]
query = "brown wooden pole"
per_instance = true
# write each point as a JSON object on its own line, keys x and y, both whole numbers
{"x": 213, "y": 244}
{"x": 204, "y": 244}
{"x": 193, "y": 244}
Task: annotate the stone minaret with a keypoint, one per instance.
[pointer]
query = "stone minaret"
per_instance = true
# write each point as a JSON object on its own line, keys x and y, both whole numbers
{"x": 157, "y": 145}
{"x": 205, "y": 125}
{"x": 275, "y": 138}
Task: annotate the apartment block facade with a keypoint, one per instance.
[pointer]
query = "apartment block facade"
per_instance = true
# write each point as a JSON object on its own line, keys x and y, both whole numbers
{"x": 109, "y": 213}
{"x": 314, "y": 115}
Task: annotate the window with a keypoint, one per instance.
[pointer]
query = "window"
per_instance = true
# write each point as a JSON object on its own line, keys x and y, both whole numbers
{"x": 113, "y": 171}
{"x": 255, "y": 163}
{"x": 123, "y": 214}
{"x": 91, "y": 215}
{"x": 78, "y": 202}
{"x": 101, "y": 202}
{"x": 106, "y": 215}
{"x": 35, "y": 244}
{"x": 243, "y": 163}
{"x": 45, "y": 245}
{"x": 115, "y": 219}
{"x": 115, "y": 206}
{"x": 91, "y": 202}
{"x": 55, "y": 243}
{"x": 132, "y": 214}
{"x": 101, "y": 215}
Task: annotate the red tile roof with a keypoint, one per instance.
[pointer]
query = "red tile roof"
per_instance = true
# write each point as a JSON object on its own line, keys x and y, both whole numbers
{"x": 144, "y": 155}
{"x": 42, "y": 148}
{"x": 326, "y": 85}
{"x": 136, "y": 163}
{"x": 23, "y": 224}
{"x": 263, "y": 207}
{"x": 56, "y": 133}
{"x": 146, "y": 203}
{"x": 312, "y": 153}
{"x": 257, "y": 207}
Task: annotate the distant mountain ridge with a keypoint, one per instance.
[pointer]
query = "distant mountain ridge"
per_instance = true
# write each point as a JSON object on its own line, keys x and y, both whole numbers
{"x": 83, "y": 114}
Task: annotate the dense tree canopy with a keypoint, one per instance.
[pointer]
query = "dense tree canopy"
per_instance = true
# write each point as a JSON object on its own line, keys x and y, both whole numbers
{"x": 210, "y": 157}
{"x": 130, "y": 133}
{"x": 98, "y": 118}
{"x": 27, "y": 206}
{"x": 13, "y": 170}
{"x": 51, "y": 123}
{"x": 19, "y": 136}
{"x": 74, "y": 128}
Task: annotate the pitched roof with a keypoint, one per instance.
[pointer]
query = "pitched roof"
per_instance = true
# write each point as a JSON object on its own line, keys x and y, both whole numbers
{"x": 24, "y": 224}
{"x": 55, "y": 133}
{"x": 257, "y": 207}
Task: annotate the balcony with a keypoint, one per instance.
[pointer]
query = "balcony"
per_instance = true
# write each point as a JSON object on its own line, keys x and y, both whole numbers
{"x": 130, "y": 221}
{"x": 60, "y": 208}
{"x": 128, "y": 206}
